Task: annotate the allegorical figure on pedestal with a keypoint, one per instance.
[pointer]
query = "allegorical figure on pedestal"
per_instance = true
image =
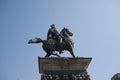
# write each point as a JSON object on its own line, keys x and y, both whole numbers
{"x": 56, "y": 41}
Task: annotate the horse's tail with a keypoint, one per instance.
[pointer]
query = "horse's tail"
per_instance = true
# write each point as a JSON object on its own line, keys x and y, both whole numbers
{"x": 40, "y": 40}
{"x": 36, "y": 40}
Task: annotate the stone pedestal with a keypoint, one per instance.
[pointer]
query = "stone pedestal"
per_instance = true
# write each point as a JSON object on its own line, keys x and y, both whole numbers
{"x": 64, "y": 68}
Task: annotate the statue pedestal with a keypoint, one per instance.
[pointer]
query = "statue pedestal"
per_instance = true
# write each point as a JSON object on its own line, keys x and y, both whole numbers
{"x": 64, "y": 68}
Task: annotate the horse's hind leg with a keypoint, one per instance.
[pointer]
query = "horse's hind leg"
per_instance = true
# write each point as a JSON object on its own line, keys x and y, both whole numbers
{"x": 47, "y": 55}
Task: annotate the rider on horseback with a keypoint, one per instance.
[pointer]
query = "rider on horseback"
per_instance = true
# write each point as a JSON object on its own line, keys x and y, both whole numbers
{"x": 54, "y": 34}
{"x": 56, "y": 41}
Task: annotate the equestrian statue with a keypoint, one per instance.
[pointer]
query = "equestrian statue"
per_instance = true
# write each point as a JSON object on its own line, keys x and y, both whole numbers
{"x": 56, "y": 41}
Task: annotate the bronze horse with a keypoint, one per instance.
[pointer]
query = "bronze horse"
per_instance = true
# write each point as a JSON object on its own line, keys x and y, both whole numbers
{"x": 50, "y": 46}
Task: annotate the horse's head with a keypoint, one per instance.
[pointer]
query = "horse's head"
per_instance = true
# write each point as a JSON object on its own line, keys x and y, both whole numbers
{"x": 66, "y": 32}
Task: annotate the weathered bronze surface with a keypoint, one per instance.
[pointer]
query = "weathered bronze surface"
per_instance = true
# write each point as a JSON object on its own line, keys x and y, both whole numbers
{"x": 56, "y": 42}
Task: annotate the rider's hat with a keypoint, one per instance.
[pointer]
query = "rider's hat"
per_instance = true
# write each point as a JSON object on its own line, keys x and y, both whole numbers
{"x": 52, "y": 26}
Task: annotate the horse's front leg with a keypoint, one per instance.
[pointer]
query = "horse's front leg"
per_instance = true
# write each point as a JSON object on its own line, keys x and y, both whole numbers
{"x": 72, "y": 53}
{"x": 70, "y": 49}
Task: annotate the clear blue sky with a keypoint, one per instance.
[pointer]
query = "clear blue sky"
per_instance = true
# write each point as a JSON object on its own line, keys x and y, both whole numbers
{"x": 95, "y": 24}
